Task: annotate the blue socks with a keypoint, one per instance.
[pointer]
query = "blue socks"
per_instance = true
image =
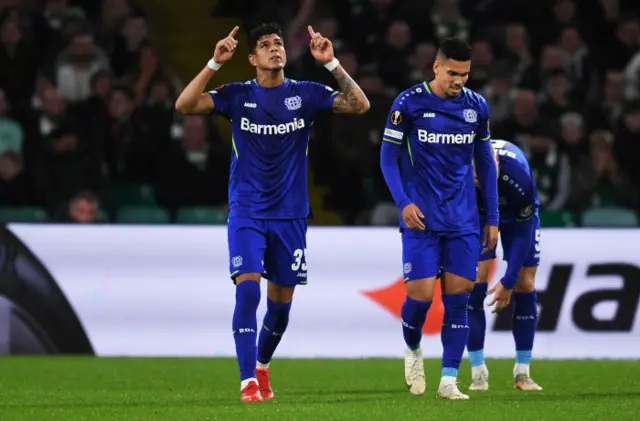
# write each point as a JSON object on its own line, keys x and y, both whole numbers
{"x": 455, "y": 330}
{"x": 274, "y": 324}
{"x": 413, "y": 315}
{"x": 477, "y": 325}
{"x": 244, "y": 327}
{"x": 525, "y": 319}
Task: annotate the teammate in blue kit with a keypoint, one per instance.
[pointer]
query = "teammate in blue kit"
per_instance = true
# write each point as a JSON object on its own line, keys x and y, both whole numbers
{"x": 520, "y": 234}
{"x": 271, "y": 118}
{"x": 433, "y": 133}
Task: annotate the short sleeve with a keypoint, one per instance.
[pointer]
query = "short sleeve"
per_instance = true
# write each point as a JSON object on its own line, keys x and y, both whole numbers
{"x": 484, "y": 129}
{"x": 322, "y": 96}
{"x": 222, "y": 97}
{"x": 397, "y": 125}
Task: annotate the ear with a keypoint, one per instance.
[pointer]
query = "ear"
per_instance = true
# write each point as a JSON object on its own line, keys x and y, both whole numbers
{"x": 436, "y": 65}
{"x": 253, "y": 60}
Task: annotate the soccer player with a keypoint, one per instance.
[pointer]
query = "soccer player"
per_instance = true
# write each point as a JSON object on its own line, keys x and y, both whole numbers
{"x": 271, "y": 118}
{"x": 520, "y": 234}
{"x": 432, "y": 135}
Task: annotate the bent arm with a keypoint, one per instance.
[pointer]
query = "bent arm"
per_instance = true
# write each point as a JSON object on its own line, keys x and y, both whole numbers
{"x": 193, "y": 99}
{"x": 352, "y": 100}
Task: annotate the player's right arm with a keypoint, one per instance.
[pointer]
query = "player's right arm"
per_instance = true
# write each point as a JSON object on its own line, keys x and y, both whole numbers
{"x": 194, "y": 99}
{"x": 395, "y": 132}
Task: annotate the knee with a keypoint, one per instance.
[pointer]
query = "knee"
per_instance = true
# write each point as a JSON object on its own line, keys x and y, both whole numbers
{"x": 420, "y": 289}
{"x": 255, "y": 277}
{"x": 454, "y": 284}
{"x": 525, "y": 284}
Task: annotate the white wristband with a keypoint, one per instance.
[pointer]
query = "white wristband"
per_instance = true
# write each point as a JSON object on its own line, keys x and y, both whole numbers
{"x": 332, "y": 65}
{"x": 213, "y": 65}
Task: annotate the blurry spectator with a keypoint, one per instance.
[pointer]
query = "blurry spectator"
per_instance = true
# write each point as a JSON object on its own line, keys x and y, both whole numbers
{"x": 54, "y": 112}
{"x": 579, "y": 62}
{"x": 16, "y": 188}
{"x": 128, "y": 43}
{"x": 75, "y": 66}
{"x": 599, "y": 181}
{"x": 11, "y": 134}
{"x": 148, "y": 68}
{"x": 92, "y": 114}
{"x": 18, "y": 64}
{"x": 632, "y": 76}
{"x": 448, "y": 21}
{"x": 129, "y": 156}
{"x": 481, "y": 62}
{"x": 498, "y": 93}
{"x": 607, "y": 110}
{"x": 66, "y": 168}
{"x": 627, "y": 144}
{"x": 518, "y": 53}
{"x": 82, "y": 209}
{"x": 550, "y": 168}
{"x": 557, "y": 94}
{"x": 624, "y": 45}
{"x": 519, "y": 126}
{"x": 422, "y": 63}
{"x": 572, "y": 136}
{"x": 114, "y": 14}
{"x": 194, "y": 170}
{"x": 392, "y": 65}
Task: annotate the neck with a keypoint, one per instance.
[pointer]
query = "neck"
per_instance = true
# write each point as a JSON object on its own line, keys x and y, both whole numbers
{"x": 437, "y": 90}
{"x": 270, "y": 78}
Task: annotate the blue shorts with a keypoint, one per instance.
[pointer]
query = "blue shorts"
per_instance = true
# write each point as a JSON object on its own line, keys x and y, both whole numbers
{"x": 276, "y": 248}
{"x": 424, "y": 253}
{"x": 507, "y": 235}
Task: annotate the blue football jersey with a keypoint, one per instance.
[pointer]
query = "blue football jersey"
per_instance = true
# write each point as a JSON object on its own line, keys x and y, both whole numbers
{"x": 440, "y": 137}
{"x": 517, "y": 190}
{"x": 271, "y": 129}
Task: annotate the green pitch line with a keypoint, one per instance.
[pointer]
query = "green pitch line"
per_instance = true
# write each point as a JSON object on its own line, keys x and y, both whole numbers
{"x": 96, "y": 389}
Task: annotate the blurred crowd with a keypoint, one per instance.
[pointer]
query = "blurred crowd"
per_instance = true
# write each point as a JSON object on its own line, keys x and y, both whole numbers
{"x": 87, "y": 106}
{"x": 86, "y": 101}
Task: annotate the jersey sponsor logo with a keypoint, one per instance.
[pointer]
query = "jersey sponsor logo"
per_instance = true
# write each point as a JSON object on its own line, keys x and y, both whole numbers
{"x": 271, "y": 129}
{"x": 446, "y": 138}
{"x": 250, "y": 105}
{"x": 293, "y": 103}
{"x": 396, "y": 118}
{"x": 470, "y": 116}
{"x": 394, "y": 134}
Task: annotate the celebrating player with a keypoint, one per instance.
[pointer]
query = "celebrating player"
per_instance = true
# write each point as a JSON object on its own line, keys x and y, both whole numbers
{"x": 520, "y": 234}
{"x": 271, "y": 118}
{"x": 432, "y": 135}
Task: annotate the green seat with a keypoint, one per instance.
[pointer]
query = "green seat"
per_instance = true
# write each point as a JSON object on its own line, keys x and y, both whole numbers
{"x": 556, "y": 218}
{"x": 103, "y": 216}
{"x": 133, "y": 195}
{"x": 142, "y": 215}
{"x": 609, "y": 217}
{"x": 23, "y": 214}
{"x": 202, "y": 215}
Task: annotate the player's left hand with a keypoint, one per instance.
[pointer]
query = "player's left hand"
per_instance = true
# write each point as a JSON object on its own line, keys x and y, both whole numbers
{"x": 321, "y": 47}
{"x": 490, "y": 238}
{"x": 501, "y": 297}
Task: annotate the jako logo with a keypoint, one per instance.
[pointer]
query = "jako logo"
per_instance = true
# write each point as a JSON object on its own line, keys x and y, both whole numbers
{"x": 271, "y": 129}
{"x": 445, "y": 138}
{"x": 392, "y": 297}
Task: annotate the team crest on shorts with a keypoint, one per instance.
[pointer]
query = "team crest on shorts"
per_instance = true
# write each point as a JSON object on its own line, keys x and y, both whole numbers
{"x": 236, "y": 261}
{"x": 396, "y": 118}
{"x": 293, "y": 103}
{"x": 470, "y": 116}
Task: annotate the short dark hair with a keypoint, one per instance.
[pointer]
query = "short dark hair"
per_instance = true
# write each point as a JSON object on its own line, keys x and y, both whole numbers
{"x": 262, "y": 30}
{"x": 454, "y": 49}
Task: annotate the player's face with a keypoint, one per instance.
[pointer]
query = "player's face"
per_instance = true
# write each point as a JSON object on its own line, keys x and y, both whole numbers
{"x": 451, "y": 75}
{"x": 270, "y": 53}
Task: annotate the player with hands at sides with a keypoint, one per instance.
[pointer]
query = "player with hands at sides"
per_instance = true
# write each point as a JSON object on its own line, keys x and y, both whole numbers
{"x": 271, "y": 118}
{"x": 433, "y": 134}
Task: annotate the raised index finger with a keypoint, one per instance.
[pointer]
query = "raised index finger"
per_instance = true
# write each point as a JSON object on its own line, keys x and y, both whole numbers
{"x": 311, "y": 31}
{"x": 234, "y": 31}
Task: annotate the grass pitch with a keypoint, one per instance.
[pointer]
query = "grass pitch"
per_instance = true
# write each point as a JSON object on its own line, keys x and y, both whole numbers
{"x": 76, "y": 388}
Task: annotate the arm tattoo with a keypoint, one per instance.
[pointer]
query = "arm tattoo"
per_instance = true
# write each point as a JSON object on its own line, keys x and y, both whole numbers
{"x": 352, "y": 100}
